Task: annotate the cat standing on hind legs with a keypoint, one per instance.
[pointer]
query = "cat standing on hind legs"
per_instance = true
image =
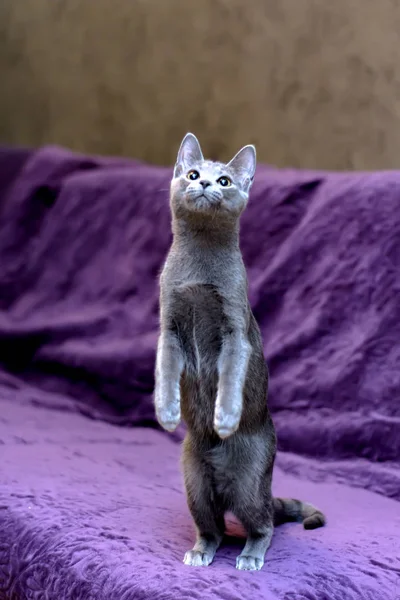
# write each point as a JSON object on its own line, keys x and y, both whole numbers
{"x": 210, "y": 368}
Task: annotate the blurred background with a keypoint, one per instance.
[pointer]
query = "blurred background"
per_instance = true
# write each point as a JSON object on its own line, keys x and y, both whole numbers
{"x": 313, "y": 83}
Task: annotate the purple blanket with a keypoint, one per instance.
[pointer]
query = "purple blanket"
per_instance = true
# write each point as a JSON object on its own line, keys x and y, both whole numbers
{"x": 91, "y": 498}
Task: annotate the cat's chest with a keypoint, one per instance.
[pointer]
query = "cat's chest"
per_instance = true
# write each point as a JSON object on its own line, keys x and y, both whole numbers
{"x": 199, "y": 303}
{"x": 198, "y": 314}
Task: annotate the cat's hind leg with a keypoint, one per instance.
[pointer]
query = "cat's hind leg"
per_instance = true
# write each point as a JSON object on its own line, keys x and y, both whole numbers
{"x": 207, "y": 514}
{"x": 260, "y": 527}
{"x": 252, "y": 556}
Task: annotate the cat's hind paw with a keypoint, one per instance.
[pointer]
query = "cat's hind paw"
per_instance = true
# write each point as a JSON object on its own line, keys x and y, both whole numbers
{"x": 195, "y": 558}
{"x": 249, "y": 563}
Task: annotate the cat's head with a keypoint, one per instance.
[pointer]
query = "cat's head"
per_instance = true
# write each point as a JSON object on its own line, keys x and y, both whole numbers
{"x": 202, "y": 187}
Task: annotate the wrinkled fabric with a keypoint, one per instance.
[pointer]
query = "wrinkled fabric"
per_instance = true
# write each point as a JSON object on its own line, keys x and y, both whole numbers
{"x": 91, "y": 497}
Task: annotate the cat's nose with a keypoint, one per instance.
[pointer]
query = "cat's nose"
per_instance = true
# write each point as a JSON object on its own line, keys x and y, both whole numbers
{"x": 204, "y": 183}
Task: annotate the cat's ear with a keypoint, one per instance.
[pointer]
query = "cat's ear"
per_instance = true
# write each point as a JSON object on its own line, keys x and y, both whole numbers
{"x": 189, "y": 154}
{"x": 244, "y": 165}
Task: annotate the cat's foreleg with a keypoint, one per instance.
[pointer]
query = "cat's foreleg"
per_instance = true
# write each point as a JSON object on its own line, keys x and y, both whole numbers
{"x": 232, "y": 370}
{"x": 169, "y": 367}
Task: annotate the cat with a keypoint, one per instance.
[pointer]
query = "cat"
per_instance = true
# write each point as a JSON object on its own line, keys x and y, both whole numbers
{"x": 210, "y": 367}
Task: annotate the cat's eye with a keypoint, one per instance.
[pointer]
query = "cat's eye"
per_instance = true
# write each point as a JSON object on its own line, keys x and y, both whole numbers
{"x": 193, "y": 175}
{"x": 224, "y": 181}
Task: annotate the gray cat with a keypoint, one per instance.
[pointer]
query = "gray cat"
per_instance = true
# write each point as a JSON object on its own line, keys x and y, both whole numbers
{"x": 210, "y": 366}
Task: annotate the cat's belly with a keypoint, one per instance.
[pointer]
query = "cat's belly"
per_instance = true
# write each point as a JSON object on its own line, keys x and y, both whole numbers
{"x": 239, "y": 465}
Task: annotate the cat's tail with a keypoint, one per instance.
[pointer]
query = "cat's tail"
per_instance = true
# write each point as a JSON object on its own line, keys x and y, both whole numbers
{"x": 288, "y": 509}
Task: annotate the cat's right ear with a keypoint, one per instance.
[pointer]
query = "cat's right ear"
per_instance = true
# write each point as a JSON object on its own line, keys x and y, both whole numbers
{"x": 189, "y": 154}
{"x": 244, "y": 165}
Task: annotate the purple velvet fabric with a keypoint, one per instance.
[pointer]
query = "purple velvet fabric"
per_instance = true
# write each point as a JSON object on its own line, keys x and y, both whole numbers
{"x": 91, "y": 498}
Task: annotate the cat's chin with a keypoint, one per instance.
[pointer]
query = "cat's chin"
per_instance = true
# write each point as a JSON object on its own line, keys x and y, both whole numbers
{"x": 212, "y": 209}
{"x": 203, "y": 204}
{"x": 204, "y": 211}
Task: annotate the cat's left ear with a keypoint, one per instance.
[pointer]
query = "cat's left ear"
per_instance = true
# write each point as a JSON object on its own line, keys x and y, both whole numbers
{"x": 244, "y": 165}
{"x": 189, "y": 154}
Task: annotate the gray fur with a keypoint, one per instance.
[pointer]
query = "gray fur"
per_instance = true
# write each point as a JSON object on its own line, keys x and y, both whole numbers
{"x": 210, "y": 366}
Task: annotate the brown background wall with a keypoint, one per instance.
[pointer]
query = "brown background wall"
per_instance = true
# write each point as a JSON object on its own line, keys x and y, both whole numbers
{"x": 313, "y": 83}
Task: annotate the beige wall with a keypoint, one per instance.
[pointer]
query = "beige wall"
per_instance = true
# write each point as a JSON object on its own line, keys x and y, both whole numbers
{"x": 313, "y": 83}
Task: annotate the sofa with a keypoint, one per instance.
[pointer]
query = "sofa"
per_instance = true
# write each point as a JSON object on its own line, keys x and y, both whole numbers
{"x": 92, "y": 505}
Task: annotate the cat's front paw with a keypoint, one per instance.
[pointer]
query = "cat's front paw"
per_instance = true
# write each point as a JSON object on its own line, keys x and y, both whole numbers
{"x": 169, "y": 416}
{"x": 225, "y": 424}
